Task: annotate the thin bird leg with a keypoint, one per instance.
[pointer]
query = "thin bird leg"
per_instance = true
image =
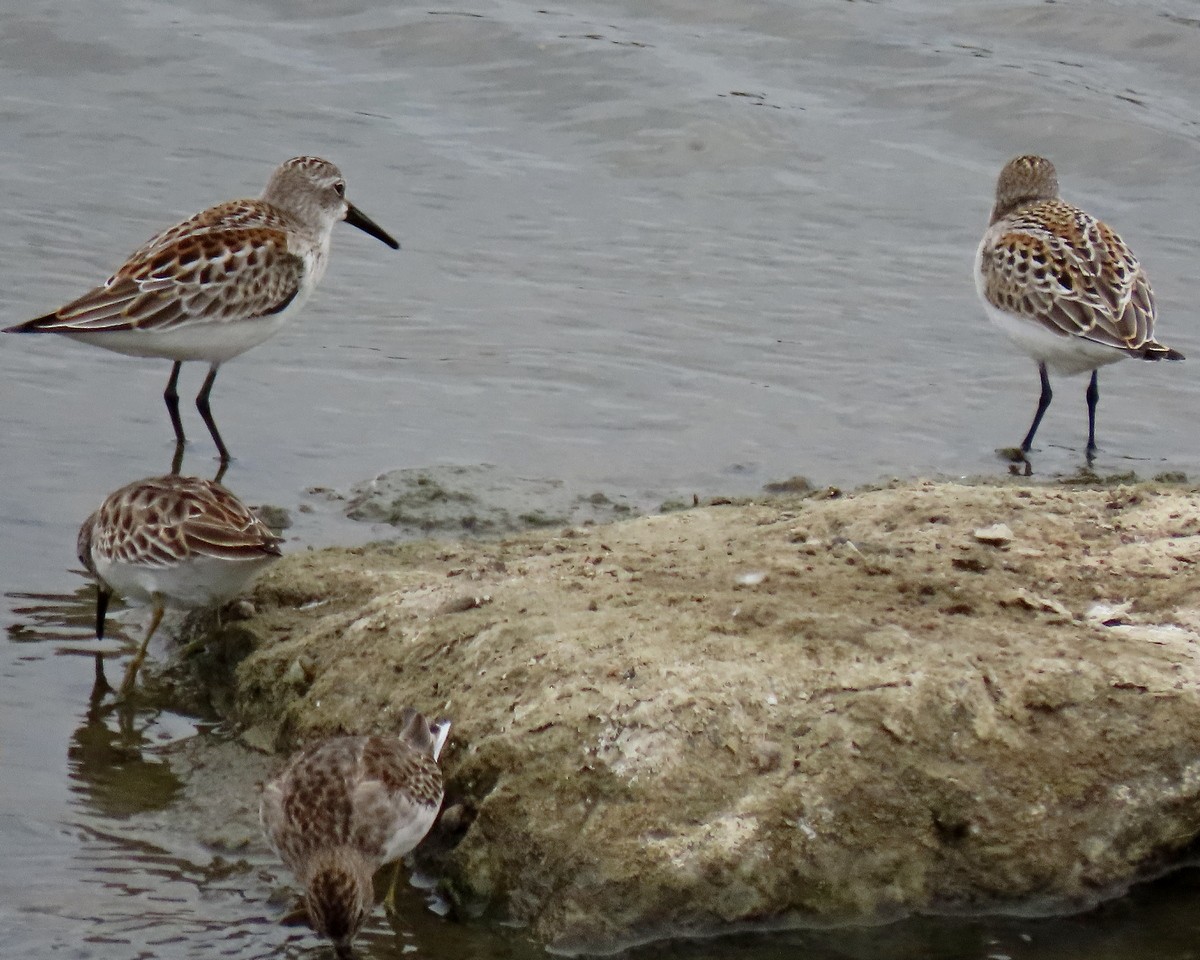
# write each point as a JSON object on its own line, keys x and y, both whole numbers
{"x": 389, "y": 899}
{"x": 171, "y": 396}
{"x": 206, "y": 413}
{"x": 135, "y": 664}
{"x": 1093, "y": 397}
{"x": 1043, "y": 403}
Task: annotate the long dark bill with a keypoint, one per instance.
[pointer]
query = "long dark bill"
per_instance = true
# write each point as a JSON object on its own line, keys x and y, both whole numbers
{"x": 356, "y": 218}
{"x": 102, "y": 598}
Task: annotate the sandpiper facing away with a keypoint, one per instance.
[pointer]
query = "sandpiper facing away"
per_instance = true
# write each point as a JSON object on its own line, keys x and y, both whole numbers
{"x": 1062, "y": 285}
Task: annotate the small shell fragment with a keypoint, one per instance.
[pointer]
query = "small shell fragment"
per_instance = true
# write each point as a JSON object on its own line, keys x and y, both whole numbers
{"x": 998, "y": 535}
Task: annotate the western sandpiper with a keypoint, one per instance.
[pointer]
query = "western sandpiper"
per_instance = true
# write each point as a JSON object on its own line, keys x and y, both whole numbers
{"x": 1062, "y": 285}
{"x": 219, "y": 283}
{"x": 344, "y": 807}
{"x": 172, "y": 542}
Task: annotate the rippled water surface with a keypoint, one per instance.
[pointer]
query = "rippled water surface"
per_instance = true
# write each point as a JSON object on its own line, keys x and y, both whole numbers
{"x": 650, "y": 248}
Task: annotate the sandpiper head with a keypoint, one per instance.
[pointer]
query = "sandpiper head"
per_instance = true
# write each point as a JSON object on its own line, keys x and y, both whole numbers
{"x": 338, "y": 898}
{"x": 83, "y": 549}
{"x": 83, "y": 544}
{"x": 1024, "y": 179}
{"x": 314, "y": 191}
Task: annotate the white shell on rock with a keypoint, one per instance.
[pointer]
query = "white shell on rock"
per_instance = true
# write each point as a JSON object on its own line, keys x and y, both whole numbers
{"x": 998, "y": 535}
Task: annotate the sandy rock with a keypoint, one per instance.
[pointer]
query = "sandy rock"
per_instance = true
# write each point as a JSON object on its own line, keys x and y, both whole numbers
{"x": 796, "y": 711}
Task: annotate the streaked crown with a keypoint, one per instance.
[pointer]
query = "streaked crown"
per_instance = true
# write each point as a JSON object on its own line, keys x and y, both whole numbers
{"x": 1024, "y": 179}
{"x": 83, "y": 544}
{"x": 311, "y": 189}
{"x": 338, "y": 898}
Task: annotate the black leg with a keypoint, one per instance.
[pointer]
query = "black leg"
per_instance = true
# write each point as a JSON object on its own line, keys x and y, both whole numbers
{"x": 206, "y": 413}
{"x": 1093, "y": 397}
{"x": 171, "y": 396}
{"x": 1043, "y": 403}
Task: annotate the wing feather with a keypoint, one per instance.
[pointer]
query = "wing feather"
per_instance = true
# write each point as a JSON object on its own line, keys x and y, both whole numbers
{"x": 1055, "y": 264}
{"x": 215, "y": 275}
{"x": 163, "y": 521}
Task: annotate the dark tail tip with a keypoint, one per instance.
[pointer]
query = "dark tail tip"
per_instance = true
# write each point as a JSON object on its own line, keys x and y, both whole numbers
{"x": 30, "y": 326}
{"x": 1159, "y": 352}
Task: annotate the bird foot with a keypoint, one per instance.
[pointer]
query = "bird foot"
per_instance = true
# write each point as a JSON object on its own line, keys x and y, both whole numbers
{"x": 1018, "y": 461}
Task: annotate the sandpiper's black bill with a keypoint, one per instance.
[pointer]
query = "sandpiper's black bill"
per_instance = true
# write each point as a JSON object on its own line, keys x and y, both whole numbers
{"x": 102, "y": 598}
{"x": 356, "y": 218}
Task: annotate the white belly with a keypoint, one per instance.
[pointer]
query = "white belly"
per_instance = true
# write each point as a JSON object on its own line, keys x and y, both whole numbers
{"x": 1062, "y": 353}
{"x": 409, "y": 825}
{"x": 210, "y": 342}
{"x": 195, "y": 583}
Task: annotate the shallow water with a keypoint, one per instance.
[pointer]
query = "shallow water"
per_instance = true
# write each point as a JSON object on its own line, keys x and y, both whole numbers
{"x": 651, "y": 249}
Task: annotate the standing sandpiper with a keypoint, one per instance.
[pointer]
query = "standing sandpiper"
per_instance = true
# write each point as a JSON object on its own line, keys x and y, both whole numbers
{"x": 218, "y": 283}
{"x": 1062, "y": 285}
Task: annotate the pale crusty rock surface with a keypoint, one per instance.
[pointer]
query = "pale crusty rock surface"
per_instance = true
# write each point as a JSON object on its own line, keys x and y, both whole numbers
{"x": 801, "y": 710}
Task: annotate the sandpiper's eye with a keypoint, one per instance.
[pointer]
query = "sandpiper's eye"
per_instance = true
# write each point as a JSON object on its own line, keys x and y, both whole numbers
{"x": 339, "y": 188}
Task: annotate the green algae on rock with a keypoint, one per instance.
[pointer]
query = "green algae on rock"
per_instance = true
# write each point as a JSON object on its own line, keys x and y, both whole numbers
{"x": 476, "y": 500}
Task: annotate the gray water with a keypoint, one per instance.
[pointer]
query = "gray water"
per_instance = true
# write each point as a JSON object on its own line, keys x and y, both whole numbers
{"x": 649, "y": 248}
